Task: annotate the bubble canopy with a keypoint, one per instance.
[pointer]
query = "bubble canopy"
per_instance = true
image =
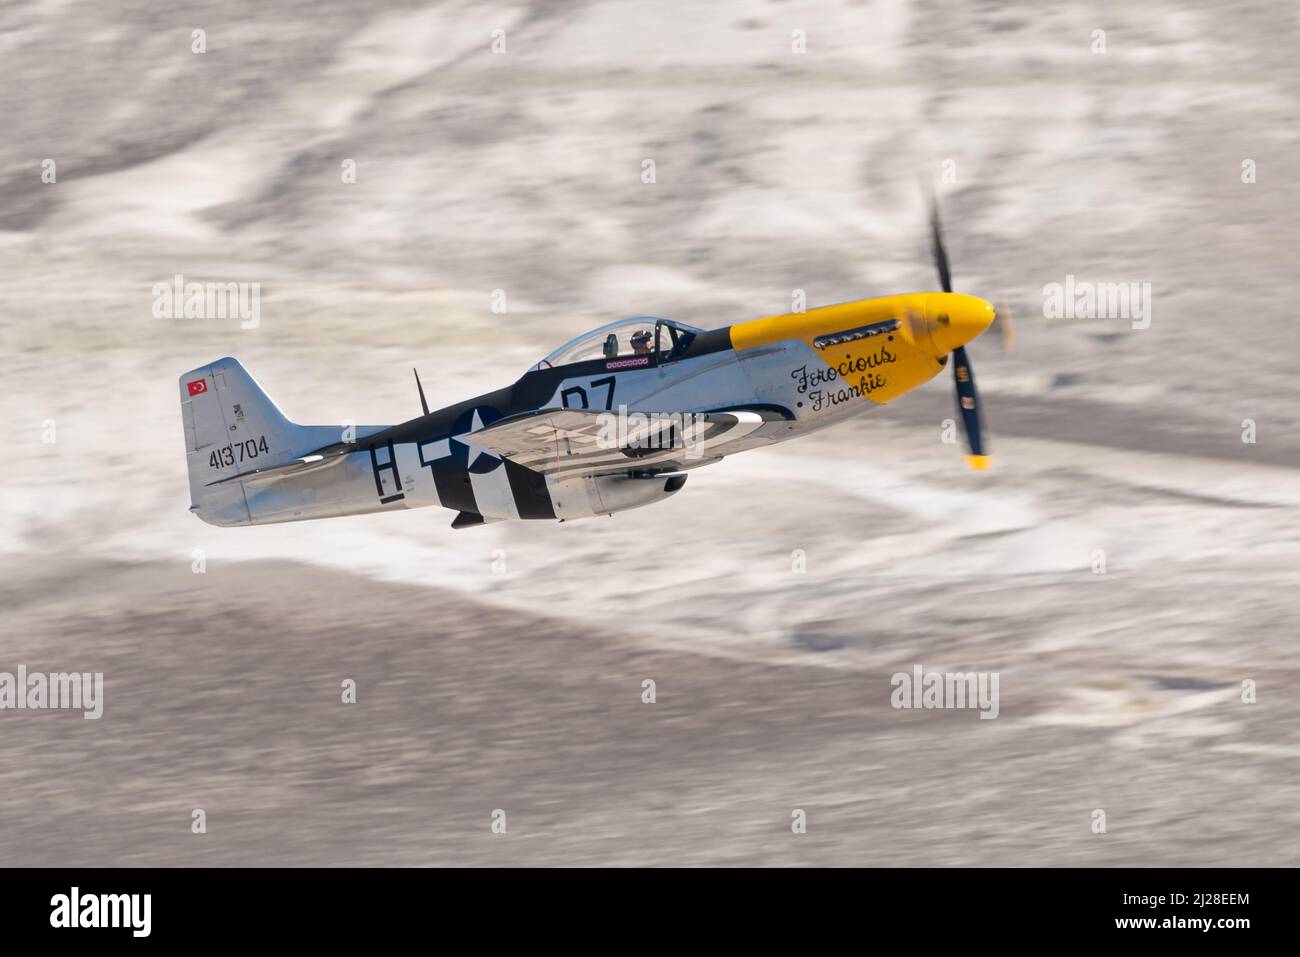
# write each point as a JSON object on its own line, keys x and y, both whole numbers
{"x": 614, "y": 340}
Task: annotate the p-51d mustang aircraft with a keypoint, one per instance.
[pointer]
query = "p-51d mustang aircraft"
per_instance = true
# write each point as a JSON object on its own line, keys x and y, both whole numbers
{"x": 609, "y": 421}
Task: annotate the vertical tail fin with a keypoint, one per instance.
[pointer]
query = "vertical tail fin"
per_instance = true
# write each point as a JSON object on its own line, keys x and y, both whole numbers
{"x": 232, "y": 428}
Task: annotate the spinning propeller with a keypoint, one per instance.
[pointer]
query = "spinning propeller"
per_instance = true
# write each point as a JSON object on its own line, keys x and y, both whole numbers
{"x": 962, "y": 373}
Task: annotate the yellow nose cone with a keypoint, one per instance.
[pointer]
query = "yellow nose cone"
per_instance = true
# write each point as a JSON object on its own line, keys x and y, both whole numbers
{"x": 956, "y": 319}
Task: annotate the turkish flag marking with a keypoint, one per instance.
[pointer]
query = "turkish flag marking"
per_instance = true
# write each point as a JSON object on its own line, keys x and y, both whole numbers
{"x": 197, "y": 387}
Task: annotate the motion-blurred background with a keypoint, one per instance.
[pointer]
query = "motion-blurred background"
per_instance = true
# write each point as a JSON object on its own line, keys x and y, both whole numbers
{"x": 500, "y": 158}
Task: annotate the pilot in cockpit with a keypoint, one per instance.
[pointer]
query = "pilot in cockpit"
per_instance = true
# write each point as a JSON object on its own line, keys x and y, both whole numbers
{"x": 641, "y": 342}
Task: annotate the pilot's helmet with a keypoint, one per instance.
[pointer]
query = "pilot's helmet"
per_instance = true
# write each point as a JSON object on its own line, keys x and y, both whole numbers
{"x": 641, "y": 338}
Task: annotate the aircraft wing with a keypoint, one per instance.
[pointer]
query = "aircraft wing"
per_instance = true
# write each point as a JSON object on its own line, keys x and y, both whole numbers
{"x": 575, "y": 442}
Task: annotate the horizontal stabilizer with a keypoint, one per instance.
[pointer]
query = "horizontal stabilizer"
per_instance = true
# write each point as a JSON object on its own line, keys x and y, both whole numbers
{"x": 308, "y": 463}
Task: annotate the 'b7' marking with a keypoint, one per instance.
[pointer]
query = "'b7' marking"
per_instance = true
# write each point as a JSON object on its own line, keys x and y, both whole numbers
{"x": 581, "y": 393}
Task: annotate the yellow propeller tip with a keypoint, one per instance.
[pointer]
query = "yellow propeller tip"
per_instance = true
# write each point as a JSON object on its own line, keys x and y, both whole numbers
{"x": 979, "y": 461}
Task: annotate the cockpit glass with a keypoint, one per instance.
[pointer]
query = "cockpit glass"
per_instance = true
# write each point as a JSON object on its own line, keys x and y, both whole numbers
{"x": 674, "y": 340}
{"x": 618, "y": 340}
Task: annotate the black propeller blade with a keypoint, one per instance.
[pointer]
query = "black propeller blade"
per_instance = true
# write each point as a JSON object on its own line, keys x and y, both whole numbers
{"x": 936, "y": 244}
{"x": 962, "y": 373}
{"x": 968, "y": 406}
